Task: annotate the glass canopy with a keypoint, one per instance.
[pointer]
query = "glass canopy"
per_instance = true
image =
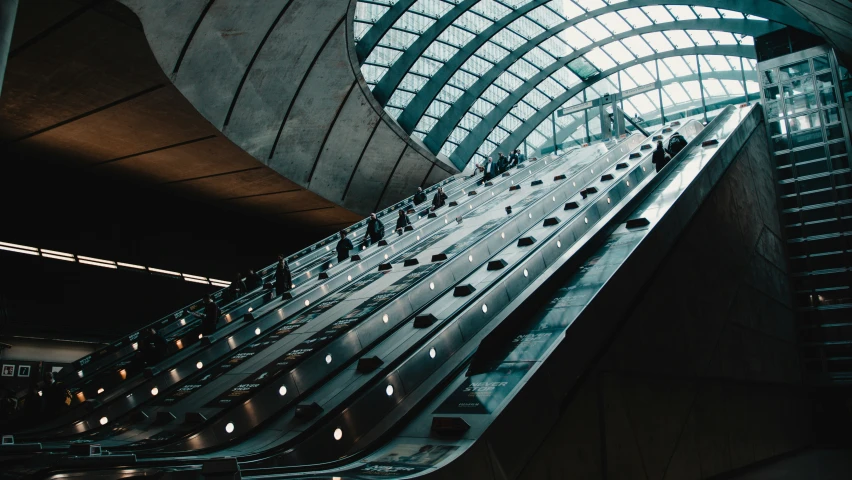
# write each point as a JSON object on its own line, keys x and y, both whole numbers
{"x": 470, "y": 78}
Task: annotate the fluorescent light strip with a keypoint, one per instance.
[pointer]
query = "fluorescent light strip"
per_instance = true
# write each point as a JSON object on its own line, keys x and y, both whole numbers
{"x": 20, "y": 247}
{"x": 186, "y": 275}
{"x": 193, "y": 280}
{"x": 97, "y": 264}
{"x": 55, "y": 253}
{"x": 18, "y": 250}
{"x": 167, "y": 272}
{"x": 130, "y": 265}
{"x": 57, "y": 257}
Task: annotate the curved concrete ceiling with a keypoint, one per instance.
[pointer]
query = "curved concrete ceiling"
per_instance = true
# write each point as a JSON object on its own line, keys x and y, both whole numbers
{"x": 279, "y": 79}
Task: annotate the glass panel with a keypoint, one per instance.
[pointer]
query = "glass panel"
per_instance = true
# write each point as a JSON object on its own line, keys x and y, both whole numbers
{"x": 798, "y": 87}
{"x": 804, "y": 122}
{"x": 800, "y": 103}
{"x": 806, "y": 138}
{"x": 582, "y": 68}
{"x": 770, "y": 77}
{"x": 777, "y": 128}
{"x": 780, "y": 143}
{"x": 681, "y": 12}
{"x": 658, "y": 14}
{"x": 614, "y": 23}
{"x": 771, "y": 93}
{"x": 795, "y": 70}
{"x": 635, "y": 18}
{"x": 827, "y": 97}
{"x": 831, "y": 115}
{"x": 834, "y": 132}
{"x": 821, "y": 63}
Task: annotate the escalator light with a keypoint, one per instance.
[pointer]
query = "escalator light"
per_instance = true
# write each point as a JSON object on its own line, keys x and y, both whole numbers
{"x": 586, "y": 219}
{"x": 643, "y": 169}
{"x": 100, "y": 391}
{"x": 251, "y": 309}
{"x": 338, "y": 434}
{"x": 385, "y": 318}
{"x": 628, "y": 183}
{"x": 307, "y": 302}
{"x": 386, "y": 256}
{"x": 484, "y": 308}
{"x": 80, "y": 373}
{"x": 389, "y": 390}
{"x": 183, "y": 321}
{"x": 470, "y": 258}
{"x": 431, "y": 285}
{"x": 326, "y": 248}
{"x": 529, "y": 215}
{"x": 502, "y": 234}
{"x": 470, "y": 207}
{"x": 349, "y": 278}
{"x": 432, "y": 353}
{"x": 135, "y": 346}
{"x": 328, "y": 359}
{"x": 418, "y": 238}
{"x": 104, "y": 420}
{"x": 229, "y": 428}
{"x": 330, "y": 265}
{"x": 155, "y": 391}
{"x": 526, "y": 273}
{"x": 608, "y": 200}
{"x": 558, "y": 244}
{"x": 575, "y": 183}
{"x": 200, "y": 336}
{"x": 282, "y": 390}
{"x": 199, "y": 365}
{"x": 292, "y": 285}
{"x": 593, "y": 170}
{"x": 554, "y": 199}
{"x": 257, "y": 331}
{"x": 445, "y": 221}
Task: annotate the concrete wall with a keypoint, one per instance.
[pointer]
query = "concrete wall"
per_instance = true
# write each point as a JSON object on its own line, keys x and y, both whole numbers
{"x": 704, "y": 375}
{"x": 281, "y": 80}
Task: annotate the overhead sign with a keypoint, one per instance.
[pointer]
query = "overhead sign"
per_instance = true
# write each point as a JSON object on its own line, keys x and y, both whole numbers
{"x": 642, "y": 89}
{"x": 576, "y": 108}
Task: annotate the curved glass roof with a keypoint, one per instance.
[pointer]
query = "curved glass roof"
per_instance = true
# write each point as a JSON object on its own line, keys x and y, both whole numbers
{"x": 472, "y": 77}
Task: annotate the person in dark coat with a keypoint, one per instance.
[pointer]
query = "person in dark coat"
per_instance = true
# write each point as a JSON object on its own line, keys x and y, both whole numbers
{"x": 513, "y": 159}
{"x": 521, "y": 158}
{"x": 660, "y": 158}
{"x": 253, "y": 281}
{"x": 502, "y": 163}
{"x": 237, "y": 287}
{"x": 676, "y": 144}
{"x": 419, "y": 197}
{"x": 489, "y": 170}
{"x": 54, "y": 396}
{"x": 439, "y": 199}
{"x": 344, "y": 245}
{"x": 375, "y": 230}
{"x": 210, "y": 317}
{"x": 402, "y": 221}
{"x": 152, "y": 347}
{"x": 283, "y": 279}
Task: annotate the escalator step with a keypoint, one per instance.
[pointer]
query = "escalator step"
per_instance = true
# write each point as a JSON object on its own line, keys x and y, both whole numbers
{"x": 463, "y": 290}
{"x": 526, "y": 241}
{"x": 536, "y": 182}
{"x": 410, "y": 262}
{"x": 439, "y": 257}
{"x": 497, "y": 264}
{"x": 551, "y": 221}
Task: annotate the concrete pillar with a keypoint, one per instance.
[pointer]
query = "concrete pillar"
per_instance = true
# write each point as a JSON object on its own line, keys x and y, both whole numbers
{"x": 8, "y": 8}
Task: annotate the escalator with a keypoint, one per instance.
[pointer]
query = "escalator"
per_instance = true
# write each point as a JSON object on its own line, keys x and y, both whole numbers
{"x": 450, "y": 346}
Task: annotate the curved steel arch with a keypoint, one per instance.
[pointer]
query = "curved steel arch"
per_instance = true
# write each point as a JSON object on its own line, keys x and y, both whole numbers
{"x": 417, "y": 107}
{"x": 478, "y": 135}
{"x": 445, "y": 125}
{"x": 562, "y": 133}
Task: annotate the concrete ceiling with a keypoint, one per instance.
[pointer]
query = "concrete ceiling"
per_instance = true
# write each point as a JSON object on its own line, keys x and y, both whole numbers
{"x": 82, "y": 85}
{"x": 833, "y": 19}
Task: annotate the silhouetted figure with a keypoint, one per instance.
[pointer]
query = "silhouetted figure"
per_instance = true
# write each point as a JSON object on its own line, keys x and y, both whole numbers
{"x": 660, "y": 158}
{"x": 152, "y": 347}
{"x": 375, "y": 230}
{"x": 54, "y": 395}
{"x": 402, "y": 221}
{"x": 419, "y": 197}
{"x": 210, "y": 317}
{"x": 237, "y": 287}
{"x": 502, "y": 163}
{"x": 521, "y": 158}
{"x": 676, "y": 144}
{"x": 283, "y": 279}
{"x": 253, "y": 281}
{"x": 344, "y": 245}
{"x": 439, "y": 199}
